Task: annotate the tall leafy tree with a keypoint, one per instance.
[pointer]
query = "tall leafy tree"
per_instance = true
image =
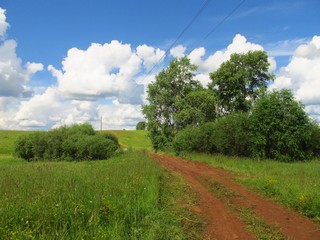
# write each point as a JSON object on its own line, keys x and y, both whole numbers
{"x": 197, "y": 108}
{"x": 172, "y": 85}
{"x": 239, "y": 81}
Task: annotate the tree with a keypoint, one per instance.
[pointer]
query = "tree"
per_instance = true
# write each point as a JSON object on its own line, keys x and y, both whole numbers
{"x": 141, "y": 126}
{"x": 164, "y": 96}
{"x": 279, "y": 127}
{"x": 239, "y": 81}
{"x": 197, "y": 108}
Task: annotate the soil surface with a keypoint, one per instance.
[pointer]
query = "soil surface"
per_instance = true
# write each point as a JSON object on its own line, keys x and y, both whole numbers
{"x": 221, "y": 222}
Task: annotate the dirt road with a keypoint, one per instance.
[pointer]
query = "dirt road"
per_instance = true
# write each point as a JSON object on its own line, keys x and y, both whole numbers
{"x": 228, "y": 208}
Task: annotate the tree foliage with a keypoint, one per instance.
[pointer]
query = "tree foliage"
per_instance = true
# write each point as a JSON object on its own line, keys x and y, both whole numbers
{"x": 239, "y": 81}
{"x": 197, "y": 108}
{"x": 227, "y": 135}
{"x": 230, "y": 134}
{"x": 279, "y": 127}
{"x": 141, "y": 126}
{"x": 77, "y": 142}
{"x": 236, "y": 115}
{"x": 172, "y": 85}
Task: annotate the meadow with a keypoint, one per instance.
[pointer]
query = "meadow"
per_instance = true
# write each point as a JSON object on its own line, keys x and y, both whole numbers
{"x": 137, "y": 139}
{"x": 7, "y": 140}
{"x": 126, "y": 197}
{"x": 130, "y": 196}
{"x": 295, "y": 185}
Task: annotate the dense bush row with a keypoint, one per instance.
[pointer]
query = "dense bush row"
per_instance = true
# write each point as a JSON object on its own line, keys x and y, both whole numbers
{"x": 276, "y": 128}
{"x": 77, "y": 142}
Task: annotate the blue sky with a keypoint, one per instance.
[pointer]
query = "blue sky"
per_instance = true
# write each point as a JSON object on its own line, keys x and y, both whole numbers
{"x": 70, "y": 61}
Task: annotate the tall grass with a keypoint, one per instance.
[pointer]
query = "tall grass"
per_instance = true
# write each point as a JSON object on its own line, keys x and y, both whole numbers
{"x": 295, "y": 185}
{"x": 126, "y": 197}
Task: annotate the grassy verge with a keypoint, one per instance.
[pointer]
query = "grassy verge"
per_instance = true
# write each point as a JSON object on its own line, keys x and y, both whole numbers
{"x": 127, "y": 197}
{"x": 295, "y": 185}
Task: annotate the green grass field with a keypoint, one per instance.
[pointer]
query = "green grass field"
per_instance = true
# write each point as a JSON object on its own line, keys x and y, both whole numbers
{"x": 126, "y": 197}
{"x": 7, "y": 140}
{"x": 129, "y": 196}
{"x": 133, "y": 139}
{"x": 295, "y": 185}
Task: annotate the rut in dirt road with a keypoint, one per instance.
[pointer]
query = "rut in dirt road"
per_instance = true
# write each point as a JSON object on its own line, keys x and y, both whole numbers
{"x": 221, "y": 221}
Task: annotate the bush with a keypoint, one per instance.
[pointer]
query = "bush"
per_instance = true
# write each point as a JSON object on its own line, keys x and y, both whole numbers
{"x": 276, "y": 128}
{"x": 313, "y": 139}
{"x": 279, "y": 128}
{"x": 95, "y": 147}
{"x": 23, "y": 148}
{"x": 111, "y": 137}
{"x": 207, "y": 138}
{"x": 227, "y": 135}
{"x": 187, "y": 140}
{"x": 230, "y": 134}
{"x": 77, "y": 142}
{"x": 141, "y": 126}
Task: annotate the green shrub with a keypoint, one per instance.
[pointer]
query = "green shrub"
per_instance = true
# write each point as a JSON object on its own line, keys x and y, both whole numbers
{"x": 227, "y": 135}
{"x": 230, "y": 134}
{"x": 111, "y": 137}
{"x": 187, "y": 140}
{"x": 77, "y": 142}
{"x": 95, "y": 147}
{"x": 141, "y": 126}
{"x": 207, "y": 138}
{"x": 313, "y": 139}
{"x": 23, "y": 148}
{"x": 279, "y": 128}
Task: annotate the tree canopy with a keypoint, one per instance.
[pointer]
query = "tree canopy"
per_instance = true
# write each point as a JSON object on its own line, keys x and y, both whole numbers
{"x": 280, "y": 127}
{"x": 141, "y": 126}
{"x": 172, "y": 85}
{"x": 235, "y": 115}
{"x": 239, "y": 81}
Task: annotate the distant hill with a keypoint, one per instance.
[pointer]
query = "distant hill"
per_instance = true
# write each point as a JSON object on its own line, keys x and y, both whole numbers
{"x": 136, "y": 139}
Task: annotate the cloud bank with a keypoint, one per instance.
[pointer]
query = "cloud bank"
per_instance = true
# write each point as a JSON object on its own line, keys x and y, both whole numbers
{"x": 302, "y": 75}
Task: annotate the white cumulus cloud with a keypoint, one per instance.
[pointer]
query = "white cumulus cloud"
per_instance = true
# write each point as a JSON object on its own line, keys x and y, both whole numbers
{"x": 119, "y": 116}
{"x": 178, "y": 51}
{"x": 302, "y": 74}
{"x": 150, "y": 55}
{"x": 100, "y": 71}
{"x": 13, "y": 75}
{"x": 50, "y": 110}
{"x": 212, "y": 62}
{"x": 3, "y": 22}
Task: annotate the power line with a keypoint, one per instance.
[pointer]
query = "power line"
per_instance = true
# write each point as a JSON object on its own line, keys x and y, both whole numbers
{"x": 221, "y": 22}
{"x": 204, "y": 5}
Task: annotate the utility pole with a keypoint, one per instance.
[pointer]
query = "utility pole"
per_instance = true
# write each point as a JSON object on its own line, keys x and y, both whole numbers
{"x": 101, "y": 124}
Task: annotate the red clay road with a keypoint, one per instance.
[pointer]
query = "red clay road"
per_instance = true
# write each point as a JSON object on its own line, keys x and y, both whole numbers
{"x": 221, "y": 222}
